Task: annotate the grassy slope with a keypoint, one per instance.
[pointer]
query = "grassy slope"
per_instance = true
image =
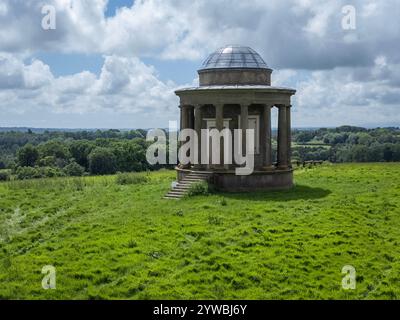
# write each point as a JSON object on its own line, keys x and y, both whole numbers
{"x": 111, "y": 241}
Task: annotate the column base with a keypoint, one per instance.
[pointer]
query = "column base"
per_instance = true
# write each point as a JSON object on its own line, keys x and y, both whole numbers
{"x": 220, "y": 168}
{"x": 268, "y": 168}
{"x": 282, "y": 167}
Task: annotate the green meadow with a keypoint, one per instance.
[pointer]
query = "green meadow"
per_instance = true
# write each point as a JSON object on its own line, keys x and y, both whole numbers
{"x": 109, "y": 240}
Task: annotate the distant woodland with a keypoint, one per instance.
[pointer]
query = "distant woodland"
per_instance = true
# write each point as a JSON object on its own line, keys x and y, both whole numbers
{"x": 26, "y": 154}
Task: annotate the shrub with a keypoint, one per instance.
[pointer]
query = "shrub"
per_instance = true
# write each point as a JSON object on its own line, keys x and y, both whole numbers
{"x": 23, "y": 173}
{"x": 199, "y": 188}
{"x": 131, "y": 178}
{"x": 74, "y": 170}
{"x": 51, "y": 172}
{"x": 5, "y": 175}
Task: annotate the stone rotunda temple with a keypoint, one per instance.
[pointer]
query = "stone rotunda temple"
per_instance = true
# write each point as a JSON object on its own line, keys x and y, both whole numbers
{"x": 235, "y": 92}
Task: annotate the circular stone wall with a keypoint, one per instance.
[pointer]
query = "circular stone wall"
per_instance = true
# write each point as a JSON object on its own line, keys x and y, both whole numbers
{"x": 211, "y": 77}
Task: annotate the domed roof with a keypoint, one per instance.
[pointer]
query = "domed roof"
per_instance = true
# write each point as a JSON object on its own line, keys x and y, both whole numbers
{"x": 234, "y": 57}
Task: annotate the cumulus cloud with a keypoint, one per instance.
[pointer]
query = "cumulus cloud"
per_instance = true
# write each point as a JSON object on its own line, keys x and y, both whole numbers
{"x": 341, "y": 75}
{"x": 360, "y": 96}
{"x": 289, "y": 34}
{"x": 125, "y": 85}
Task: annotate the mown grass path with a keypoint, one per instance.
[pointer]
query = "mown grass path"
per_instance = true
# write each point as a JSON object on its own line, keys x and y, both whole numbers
{"x": 110, "y": 241}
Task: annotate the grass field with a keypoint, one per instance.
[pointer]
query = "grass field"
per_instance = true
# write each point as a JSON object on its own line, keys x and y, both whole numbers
{"x": 111, "y": 241}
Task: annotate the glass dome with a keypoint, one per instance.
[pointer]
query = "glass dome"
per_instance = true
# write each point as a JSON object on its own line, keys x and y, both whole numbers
{"x": 234, "y": 57}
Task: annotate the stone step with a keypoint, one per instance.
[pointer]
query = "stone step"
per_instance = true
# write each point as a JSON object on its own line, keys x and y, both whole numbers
{"x": 186, "y": 185}
{"x": 182, "y": 188}
{"x": 168, "y": 196}
{"x": 201, "y": 172}
{"x": 171, "y": 197}
{"x": 177, "y": 191}
{"x": 192, "y": 179}
{"x": 197, "y": 175}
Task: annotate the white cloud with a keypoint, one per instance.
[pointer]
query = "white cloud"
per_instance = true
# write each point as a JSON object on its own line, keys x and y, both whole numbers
{"x": 351, "y": 76}
{"x": 289, "y": 33}
{"x": 359, "y": 96}
{"x": 124, "y": 86}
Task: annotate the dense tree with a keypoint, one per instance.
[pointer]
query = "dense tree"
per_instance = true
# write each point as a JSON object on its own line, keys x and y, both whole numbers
{"x": 305, "y": 136}
{"x": 27, "y": 156}
{"x": 387, "y": 153}
{"x": 102, "y": 161}
{"x": 52, "y": 153}
{"x": 54, "y": 148}
{"x": 80, "y": 151}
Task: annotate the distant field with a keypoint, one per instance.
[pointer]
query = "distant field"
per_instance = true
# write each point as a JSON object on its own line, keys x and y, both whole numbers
{"x": 110, "y": 241}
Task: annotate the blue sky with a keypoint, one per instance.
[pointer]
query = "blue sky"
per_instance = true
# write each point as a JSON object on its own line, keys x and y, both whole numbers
{"x": 107, "y": 67}
{"x": 113, "y": 5}
{"x": 180, "y": 71}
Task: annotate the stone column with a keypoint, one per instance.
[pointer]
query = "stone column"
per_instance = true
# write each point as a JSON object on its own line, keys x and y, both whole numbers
{"x": 219, "y": 124}
{"x": 266, "y": 139}
{"x": 184, "y": 117}
{"x": 282, "y": 138}
{"x": 198, "y": 118}
{"x": 244, "y": 123}
{"x": 185, "y": 125}
{"x": 289, "y": 135}
{"x": 191, "y": 117}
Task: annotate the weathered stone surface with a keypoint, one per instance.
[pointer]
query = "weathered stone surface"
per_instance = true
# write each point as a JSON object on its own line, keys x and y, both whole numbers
{"x": 232, "y": 95}
{"x": 235, "y": 77}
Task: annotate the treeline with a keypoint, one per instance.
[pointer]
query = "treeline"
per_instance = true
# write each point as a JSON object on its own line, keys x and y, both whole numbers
{"x": 53, "y": 154}
{"x": 30, "y": 154}
{"x": 347, "y": 144}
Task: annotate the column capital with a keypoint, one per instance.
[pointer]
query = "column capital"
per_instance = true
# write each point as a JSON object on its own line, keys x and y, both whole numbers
{"x": 245, "y": 103}
{"x": 283, "y": 105}
{"x": 267, "y": 105}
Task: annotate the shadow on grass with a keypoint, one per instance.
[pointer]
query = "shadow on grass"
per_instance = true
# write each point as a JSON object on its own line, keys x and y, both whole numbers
{"x": 296, "y": 193}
